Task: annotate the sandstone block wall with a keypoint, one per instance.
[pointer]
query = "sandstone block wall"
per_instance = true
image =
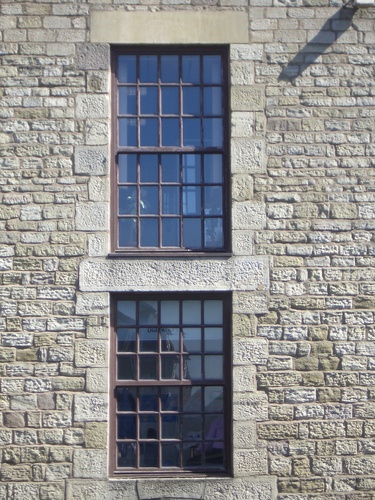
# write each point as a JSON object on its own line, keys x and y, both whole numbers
{"x": 301, "y": 273}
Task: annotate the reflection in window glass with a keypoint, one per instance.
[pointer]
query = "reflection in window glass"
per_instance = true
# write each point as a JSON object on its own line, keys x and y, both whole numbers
{"x": 212, "y": 69}
{"x": 192, "y": 233}
{"x": 149, "y": 100}
{"x": 127, "y": 165}
{"x": 170, "y": 100}
{"x": 127, "y": 101}
{"x": 148, "y": 69}
{"x": 191, "y": 132}
{"x": 127, "y": 69}
{"x": 127, "y": 131}
{"x": 149, "y": 132}
{"x": 149, "y": 169}
{"x": 170, "y": 232}
{"x": 170, "y": 132}
{"x": 191, "y": 69}
{"x": 127, "y": 232}
{"x": 169, "y": 69}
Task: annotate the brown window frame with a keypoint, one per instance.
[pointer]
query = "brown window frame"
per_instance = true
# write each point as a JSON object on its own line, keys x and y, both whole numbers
{"x": 179, "y": 385}
{"x": 117, "y": 150}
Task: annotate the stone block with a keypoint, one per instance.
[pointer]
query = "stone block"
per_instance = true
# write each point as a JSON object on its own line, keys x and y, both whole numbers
{"x": 91, "y": 160}
{"x": 97, "y": 380}
{"x": 245, "y": 98}
{"x": 250, "y": 462}
{"x": 98, "y": 490}
{"x": 248, "y": 406}
{"x": 248, "y": 215}
{"x": 92, "y": 303}
{"x": 244, "y": 378}
{"x": 242, "y": 72}
{"x": 90, "y": 408}
{"x": 90, "y": 464}
{"x": 91, "y": 353}
{"x": 92, "y": 106}
{"x": 93, "y": 56}
{"x": 253, "y": 488}
{"x": 92, "y": 217}
{"x": 247, "y": 156}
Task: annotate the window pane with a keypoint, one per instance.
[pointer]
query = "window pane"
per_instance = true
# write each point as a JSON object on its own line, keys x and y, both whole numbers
{"x": 149, "y": 132}
{"x": 192, "y": 339}
{"x": 170, "y": 100}
{"x": 149, "y": 452}
{"x": 170, "y": 132}
{"x": 191, "y": 169}
{"x": 170, "y": 200}
{"x": 149, "y": 233}
{"x": 170, "y": 427}
{"x": 126, "y": 339}
{"x": 148, "y": 312}
{"x": 213, "y": 233}
{"x": 193, "y": 428}
{"x": 169, "y": 69}
{"x": 127, "y": 131}
{"x": 169, "y": 312}
{"x": 170, "y": 367}
{"x": 213, "y": 132}
{"x": 213, "y": 311}
{"x": 170, "y": 168}
{"x": 170, "y": 232}
{"x": 126, "y": 312}
{"x": 192, "y": 236}
{"x": 191, "y": 101}
{"x": 149, "y": 100}
{"x": 194, "y": 367}
{"x": 190, "y": 69}
{"x": 214, "y": 398}
{"x": 126, "y": 367}
{"x": 213, "y": 367}
{"x": 191, "y": 311}
{"x": 170, "y": 339}
{"x": 127, "y": 100}
{"x": 191, "y": 200}
{"x": 170, "y": 398}
{"x": 170, "y": 453}
{"x": 127, "y": 229}
{"x": 192, "y": 399}
{"x": 148, "y": 367}
{"x": 148, "y": 339}
{"x": 212, "y": 101}
{"x": 149, "y": 200}
{"x": 126, "y": 398}
{"x": 127, "y": 456}
{"x": 213, "y": 168}
{"x": 126, "y": 427}
{"x": 191, "y": 132}
{"x": 127, "y": 168}
{"x": 213, "y": 339}
{"x": 148, "y": 399}
{"x": 148, "y": 69}
{"x": 149, "y": 169}
{"x": 213, "y": 200}
{"x": 212, "y": 69}
{"x": 127, "y": 69}
{"x": 127, "y": 200}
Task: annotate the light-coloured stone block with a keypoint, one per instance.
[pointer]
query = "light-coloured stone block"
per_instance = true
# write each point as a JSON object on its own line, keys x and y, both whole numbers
{"x": 99, "y": 490}
{"x": 249, "y": 215}
{"x": 248, "y": 462}
{"x": 242, "y": 72}
{"x": 90, "y": 160}
{"x": 247, "y": 156}
{"x": 98, "y": 189}
{"x": 90, "y": 464}
{"x": 249, "y": 406}
{"x": 93, "y": 56}
{"x": 250, "y": 351}
{"x": 245, "y": 303}
{"x": 242, "y": 242}
{"x": 247, "y": 98}
{"x": 244, "y": 434}
{"x": 97, "y": 245}
{"x": 91, "y": 353}
{"x": 259, "y": 488}
{"x": 92, "y": 106}
{"x": 244, "y": 378}
{"x": 92, "y": 217}
{"x": 90, "y": 408}
{"x": 97, "y": 380}
{"x": 92, "y": 303}
{"x": 242, "y": 123}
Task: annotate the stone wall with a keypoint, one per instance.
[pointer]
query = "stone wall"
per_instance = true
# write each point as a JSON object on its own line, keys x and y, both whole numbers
{"x": 301, "y": 273}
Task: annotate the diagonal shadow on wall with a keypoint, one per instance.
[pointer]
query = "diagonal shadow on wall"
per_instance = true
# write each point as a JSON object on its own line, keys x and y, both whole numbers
{"x": 331, "y": 31}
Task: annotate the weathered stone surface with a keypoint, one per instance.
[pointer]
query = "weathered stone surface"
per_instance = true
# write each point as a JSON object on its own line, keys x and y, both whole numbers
{"x": 90, "y": 464}
{"x": 90, "y": 160}
{"x": 90, "y": 407}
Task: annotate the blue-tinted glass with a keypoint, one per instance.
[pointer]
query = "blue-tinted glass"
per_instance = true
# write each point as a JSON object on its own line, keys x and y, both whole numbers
{"x": 127, "y": 232}
{"x": 192, "y": 237}
{"x": 149, "y": 132}
{"x": 191, "y": 169}
{"x": 127, "y": 131}
{"x": 190, "y": 69}
{"x": 127, "y": 168}
{"x": 170, "y": 200}
{"x": 191, "y": 200}
{"x": 148, "y": 339}
{"x": 213, "y": 312}
{"x": 149, "y": 200}
{"x": 148, "y": 69}
{"x": 149, "y": 233}
{"x": 126, "y": 338}
{"x": 192, "y": 132}
{"x": 213, "y": 132}
{"x": 126, "y": 368}
{"x": 213, "y": 200}
{"x": 170, "y": 232}
{"x": 211, "y": 69}
{"x": 213, "y": 339}
{"x": 169, "y": 69}
{"x": 191, "y": 101}
{"x": 213, "y": 169}
{"x": 148, "y": 312}
{"x": 213, "y": 367}
{"x": 170, "y": 132}
{"x": 212, "y": 101}
{"x": 127, "y": 101}
{"x": 149, "y": 100}
{"x": 149, "y": 168}
{"x": 170, "y": 101}
{"x": 170, "y": 168}
{"x": 126, "y": 313}
{"x": 213, "y": 233}
{"x": 127, "y": 69}
{"x": 127, "y": 200}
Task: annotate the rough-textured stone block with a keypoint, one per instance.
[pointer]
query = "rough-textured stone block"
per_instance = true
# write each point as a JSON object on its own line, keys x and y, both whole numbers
{"x": 91, "y": 160}
{"x": 247, "y": 156}
{"x": 90, "y": 407}
{"x": 90, "y": 464}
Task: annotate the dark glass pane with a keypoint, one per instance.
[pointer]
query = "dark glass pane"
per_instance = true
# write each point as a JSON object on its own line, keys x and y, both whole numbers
{"x": 192, "y": 233}
{"x": 191, "y": 169}
{"x": 127, "y": 101}
{"x": 149, "y": 201}
{"x": 149, "y": 132}
{"x": 148, "y": 367}
{"x": 212, "y": 69}
{"x": 127, "y": 168}
{"x": 170, "y": 339}
{"x": 148, "y": 312}
{"x": 170, "y": 367}
{"x": 191, "y": 399}
{"x": 194, "y": 367}
{"x": 170, "y": 168}
{"x": 190, "y": 69}
{"x": 192, "y": 339}
{"x": 213, "y": 233}
{"x": 126, "y": 398}
{"x": 212, "y": 101}
{"x": 169, "y": 312}
{"x": 127, "y": 229}
{"x": 213, "y": 339}
{"x": 170, "y": 200}
{"x": 127, "y": 131}
{"x": 213, "y": 132}
{"x": 169, "y": 69}
{"x": 213, "y": 399}
{"x": 148, "y": 69}
{"x": 148, "y": 426}
{"x": 148, "y": 399}
{"x": 213, "y": 169}
{"x": 213, "y": 367}
{"x": 126, "y": 455}
{"x": 126, "y": 339}
{"x": 170, "y": 132}
{"x": 191, "y": 200}
{"x": 170, "y": 425}
{"x": 149, "y": 100}
{"x": 170, "y": 453}
{"x": 149, "y": 168}
{"x": 213, "y": 200}
{"x": 170, "y": 398}
{"x": 170, "y": 232}
{"x": 148, "y": 339}
{"x": 126, "y": 312}
{"x": 126, "y": 427}
{"x": 149, "y": 233}
{"x": 127, "y": 200}
{"x": 191, "y": 312}
{"x": 126, "y": 367}
{"x": 213, "y": 312}
{"x": 127, "y": 69}
{"x": 191, "y": 101}
{"x": 170, "y": 100}
{"x": 191, "y": 132}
